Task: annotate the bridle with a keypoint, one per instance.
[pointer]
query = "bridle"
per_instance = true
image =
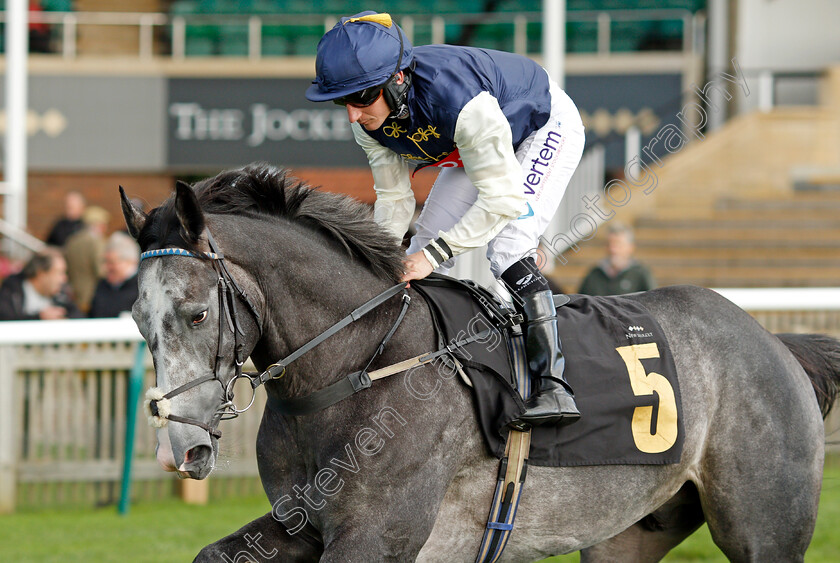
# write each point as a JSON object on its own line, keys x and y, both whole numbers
{"x": 157, "y": 405}
{"x": 157, "y": 402}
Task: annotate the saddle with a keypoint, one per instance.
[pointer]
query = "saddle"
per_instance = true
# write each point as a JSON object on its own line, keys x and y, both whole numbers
{"x": 618, "y": 361}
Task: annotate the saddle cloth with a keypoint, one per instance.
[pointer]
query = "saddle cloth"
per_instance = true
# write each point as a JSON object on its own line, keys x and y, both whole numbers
{"x": 618, "y": 361}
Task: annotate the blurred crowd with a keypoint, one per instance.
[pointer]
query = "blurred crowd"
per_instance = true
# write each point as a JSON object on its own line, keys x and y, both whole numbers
{"x": 84, "y": 271}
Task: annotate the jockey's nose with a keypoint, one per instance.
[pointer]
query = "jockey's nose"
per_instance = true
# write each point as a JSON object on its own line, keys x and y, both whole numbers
{"x": 353, "y": 114}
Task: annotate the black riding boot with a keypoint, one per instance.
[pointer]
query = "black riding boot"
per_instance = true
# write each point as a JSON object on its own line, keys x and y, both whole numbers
{"x": 552, "y": 400}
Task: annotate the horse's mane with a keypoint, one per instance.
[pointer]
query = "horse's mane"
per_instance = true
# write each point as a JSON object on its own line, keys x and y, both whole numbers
{"x": 262, "y": 189}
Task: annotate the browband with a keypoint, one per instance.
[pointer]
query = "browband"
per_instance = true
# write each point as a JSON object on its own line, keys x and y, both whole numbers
{"x": 177, "y": 252}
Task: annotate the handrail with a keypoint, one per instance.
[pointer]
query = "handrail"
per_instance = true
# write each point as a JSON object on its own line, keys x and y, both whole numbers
{"x": 146, "y": 22}
{"x": 69, "y": 331}
{"x": 241, "y": 18}
{"x": 783, "y": 298}
{"x": 21, "y": 237}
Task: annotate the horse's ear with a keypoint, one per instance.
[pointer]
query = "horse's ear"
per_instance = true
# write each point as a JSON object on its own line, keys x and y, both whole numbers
{"x": 188, "y": 212}
{"x": 135, "y": 219}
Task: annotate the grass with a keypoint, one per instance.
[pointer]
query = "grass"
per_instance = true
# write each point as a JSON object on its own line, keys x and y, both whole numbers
{"x": 172, "y": 531}
{"x": 151, "y": 533}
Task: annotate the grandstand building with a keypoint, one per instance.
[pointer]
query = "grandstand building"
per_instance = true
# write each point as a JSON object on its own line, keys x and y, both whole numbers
{"x": 143, "y": 92}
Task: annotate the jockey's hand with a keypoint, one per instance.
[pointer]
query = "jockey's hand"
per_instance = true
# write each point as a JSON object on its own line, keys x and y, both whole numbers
{"x": 416, "y": 267}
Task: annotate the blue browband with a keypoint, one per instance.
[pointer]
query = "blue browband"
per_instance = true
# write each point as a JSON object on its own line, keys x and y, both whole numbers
{"x": 176, "y": 252}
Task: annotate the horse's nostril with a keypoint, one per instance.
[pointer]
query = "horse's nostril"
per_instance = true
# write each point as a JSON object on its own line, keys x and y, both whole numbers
{"x": 196, "y": 454}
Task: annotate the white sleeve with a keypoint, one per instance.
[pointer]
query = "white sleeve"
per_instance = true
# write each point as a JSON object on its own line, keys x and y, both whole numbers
{"x": 484, "y": 141}
{"x": 394, "y": 206}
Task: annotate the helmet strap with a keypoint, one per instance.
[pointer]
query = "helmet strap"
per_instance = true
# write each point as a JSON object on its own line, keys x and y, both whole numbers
{"x": 395, "y": 94}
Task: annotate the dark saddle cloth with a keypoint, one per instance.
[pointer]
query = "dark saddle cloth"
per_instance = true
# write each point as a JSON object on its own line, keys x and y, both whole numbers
{"x": 618, "y": 361}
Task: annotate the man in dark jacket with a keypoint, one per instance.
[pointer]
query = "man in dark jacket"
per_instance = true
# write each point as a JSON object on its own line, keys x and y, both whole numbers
{"x": 619, "y": 272}
{"x": 64, "y": 228}
{"x": 117, "y": 291}
{"x": 38, "y": 292}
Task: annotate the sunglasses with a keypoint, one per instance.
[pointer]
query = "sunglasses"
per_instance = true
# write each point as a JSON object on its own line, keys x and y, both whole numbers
{"x": 361, "y": 99}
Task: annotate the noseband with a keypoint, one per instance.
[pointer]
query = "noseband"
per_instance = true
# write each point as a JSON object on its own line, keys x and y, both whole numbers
{"x": 157, "y": 403}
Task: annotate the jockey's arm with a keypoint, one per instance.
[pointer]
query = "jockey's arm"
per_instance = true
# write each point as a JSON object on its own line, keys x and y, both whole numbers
{"x": 394, "y": 206}
{"x": 484, "y": 141}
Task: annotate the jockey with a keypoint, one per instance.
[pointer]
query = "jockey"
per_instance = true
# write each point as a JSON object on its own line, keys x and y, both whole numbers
{"x": 507, "y": 139}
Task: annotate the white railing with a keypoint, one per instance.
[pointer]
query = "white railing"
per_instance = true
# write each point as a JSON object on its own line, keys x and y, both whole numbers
{"x": 21, "y": 237}
{"x": 64, "y": 389}
{"x": 784, "y": 299}
{"x": 173, "y": 28}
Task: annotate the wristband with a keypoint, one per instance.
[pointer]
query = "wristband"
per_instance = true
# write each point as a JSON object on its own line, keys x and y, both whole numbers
{"x": 428, "y": 253}
{"x": 442, "y": 248}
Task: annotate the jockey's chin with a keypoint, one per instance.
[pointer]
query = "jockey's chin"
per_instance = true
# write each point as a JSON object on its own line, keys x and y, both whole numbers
{"x": 372, "y": 125}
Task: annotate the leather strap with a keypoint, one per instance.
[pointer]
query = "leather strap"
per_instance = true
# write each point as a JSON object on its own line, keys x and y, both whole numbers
{"x": 355, "y": 382}
{"x": 497, "y": 314}
{"x": 323, "y": 398}
{"x": 215, "y": 432}
{"x": 513, "y": 468}
{"x": 276, "y": 370}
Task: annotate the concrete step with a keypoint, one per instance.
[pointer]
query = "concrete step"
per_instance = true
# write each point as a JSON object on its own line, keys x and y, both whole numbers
{"x": 757, "y": 223}
{"x": 570, "y": 276}
{"x": 780, "y": 262}
{"x": 572, "y": 283}
{"x": 735, "y": 237}
{"x": 822, "y": 252}
{"x": 691, "y": 268}
{"x": 799, "y": 214}
{"x": 807, "y": 203}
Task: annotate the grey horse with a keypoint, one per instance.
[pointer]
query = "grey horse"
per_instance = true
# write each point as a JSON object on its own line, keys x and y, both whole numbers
{"x": 386, "y": 476}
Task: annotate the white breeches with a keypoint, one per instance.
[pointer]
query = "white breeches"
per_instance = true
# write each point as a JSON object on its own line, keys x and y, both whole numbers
{"x": 548, "y": 156}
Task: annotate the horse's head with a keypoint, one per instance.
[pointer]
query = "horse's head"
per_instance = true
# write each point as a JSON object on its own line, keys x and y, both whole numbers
{"x": 199, "y": 325}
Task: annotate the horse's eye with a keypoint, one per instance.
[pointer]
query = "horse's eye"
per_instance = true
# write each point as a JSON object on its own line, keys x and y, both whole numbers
{"x": 199, "y": 318}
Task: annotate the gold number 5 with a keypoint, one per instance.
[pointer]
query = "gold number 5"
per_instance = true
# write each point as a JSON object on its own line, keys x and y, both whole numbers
{"x": 650, "y": 440}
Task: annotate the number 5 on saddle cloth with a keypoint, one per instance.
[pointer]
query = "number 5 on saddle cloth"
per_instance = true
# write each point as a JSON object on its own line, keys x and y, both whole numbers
{"x": 619, "y": 363}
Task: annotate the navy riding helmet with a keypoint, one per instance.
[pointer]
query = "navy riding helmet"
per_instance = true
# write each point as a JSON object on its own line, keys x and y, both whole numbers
{"x": 359, "y": 57}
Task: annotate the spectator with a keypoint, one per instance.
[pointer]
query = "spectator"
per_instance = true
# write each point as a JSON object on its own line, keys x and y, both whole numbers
{"x": 38, "y": 291}
{"x": 83, "y": 252}
{"x": 39, "y": 32}
{"x": 117, "y": 291}
{"x": 8, "y": 266}
{"x": 619, "y": 272}
{"x": 64, "y": 228}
